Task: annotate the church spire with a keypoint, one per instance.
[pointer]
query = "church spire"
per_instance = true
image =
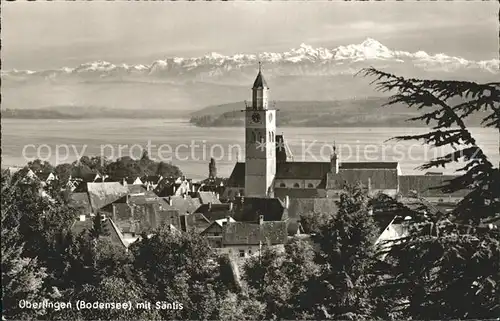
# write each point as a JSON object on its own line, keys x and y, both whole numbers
{"x": 260, "y": 82}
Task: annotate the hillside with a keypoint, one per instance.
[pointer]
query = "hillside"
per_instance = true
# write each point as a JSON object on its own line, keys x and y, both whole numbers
{"x": 91, "y": 112}
{"x": 363, "y": 112}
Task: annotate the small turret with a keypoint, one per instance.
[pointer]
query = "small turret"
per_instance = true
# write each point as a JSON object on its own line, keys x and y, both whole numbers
{"x": 212, "y": 169}
{"x": 334, "y": 162}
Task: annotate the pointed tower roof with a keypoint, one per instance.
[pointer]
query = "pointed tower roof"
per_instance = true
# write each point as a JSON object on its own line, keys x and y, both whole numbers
{"x": 260, "y": 82}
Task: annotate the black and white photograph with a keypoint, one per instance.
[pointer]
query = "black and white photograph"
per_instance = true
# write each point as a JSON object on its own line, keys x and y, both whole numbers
{"x": 250, "y": 160}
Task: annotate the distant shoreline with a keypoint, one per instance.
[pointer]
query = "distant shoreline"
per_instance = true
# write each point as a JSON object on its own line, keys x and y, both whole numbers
{"x": 81, "y": 113}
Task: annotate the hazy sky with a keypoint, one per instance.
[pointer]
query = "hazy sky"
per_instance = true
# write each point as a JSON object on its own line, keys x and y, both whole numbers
{"x": 41, "y": 35}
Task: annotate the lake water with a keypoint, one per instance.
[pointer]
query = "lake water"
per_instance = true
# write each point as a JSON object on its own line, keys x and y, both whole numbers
{"x": 190, "y": 147}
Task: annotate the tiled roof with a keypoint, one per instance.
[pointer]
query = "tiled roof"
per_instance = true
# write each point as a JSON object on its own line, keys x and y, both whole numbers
{"x": 148, "y": 197}
{"x": 423, "y": 185}
{"x": 219, "y": 223}
{"x": 245, "y": 233}
{"x": 196, "y": 221}
{"x": 102, "y": 194}
{"x": 302, "y": 170}
{"x": 114, "y": 233}
{"x": 208, "y": 197}
{"x": 215, "y": 211}
{"x": 80, "y": 201}
{"x": 153, "y": 179}
{"x": 272, "y": 209}
{"x": 135, "y": 189}
{"x": 185, "y": 205}
{"x": 215, "y": 181}
{"x": 122, "y": 211}
{"x": 368, "y": 165}
{"x": 379, "y": 178}
{"x": 237, "y": 177}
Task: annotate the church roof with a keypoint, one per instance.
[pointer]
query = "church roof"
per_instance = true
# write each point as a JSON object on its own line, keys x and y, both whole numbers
{"x": 379, "y": 178}
{"x": 302, "y": 170}
{"x": 286, "y": 170}
{"x": 259, "y": 82}
{"x": 368, "y": 165}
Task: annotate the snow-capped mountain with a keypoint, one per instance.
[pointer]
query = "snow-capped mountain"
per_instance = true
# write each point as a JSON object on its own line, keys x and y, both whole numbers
{"x": 304, "y": 60}
{"x": 302, "y": 73}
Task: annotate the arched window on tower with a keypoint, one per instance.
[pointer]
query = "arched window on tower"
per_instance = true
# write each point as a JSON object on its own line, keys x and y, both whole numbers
{"x": 296, "y": 185}
{"x": 310, "y": 185}
{"x": 270, "y": 137}
{"x": 282, "y": 185}
{"x": 254, "y": 138}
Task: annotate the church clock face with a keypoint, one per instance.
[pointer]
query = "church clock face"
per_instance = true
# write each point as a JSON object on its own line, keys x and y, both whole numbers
{"x": 256, "y": 118}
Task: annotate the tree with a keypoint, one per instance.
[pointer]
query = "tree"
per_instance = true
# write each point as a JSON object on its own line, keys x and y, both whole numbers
{"x": 439, "y": 101}
{"x": 39, "y": 166}
{"x": 346, "y": 257}
{"x": 22, "y": 277}
{"x": 98, "y": 227}
{"x": 313, "y": 221}
{"x": 450, "y": 253}
{"x": 175, "y": 267}
{"x": 284, "y": 282}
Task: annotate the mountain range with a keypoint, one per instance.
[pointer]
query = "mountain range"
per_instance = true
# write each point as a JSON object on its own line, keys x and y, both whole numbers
{"x": 179, "y": 83}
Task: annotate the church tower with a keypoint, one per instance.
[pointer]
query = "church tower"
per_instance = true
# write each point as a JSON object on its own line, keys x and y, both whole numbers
{"x": 260, "y": 138}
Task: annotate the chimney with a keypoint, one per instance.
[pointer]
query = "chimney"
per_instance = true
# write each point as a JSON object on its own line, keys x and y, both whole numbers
{"x": 217, "y": 195}
{"x": 228, "y": 219}
{"x": 103, "y": 217}
{"x": 287, "y": 201}
{"x": 369, "y": 185}
{"x": 230, "y": 206}
{"x": 173, "y": 189}
{"x": 82, "y": 218}
{"x": 209, "y": 206}
{"x": 261, "y": 219}
{"x": 184, "y": 196}
{"x": 170, "y": 201}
